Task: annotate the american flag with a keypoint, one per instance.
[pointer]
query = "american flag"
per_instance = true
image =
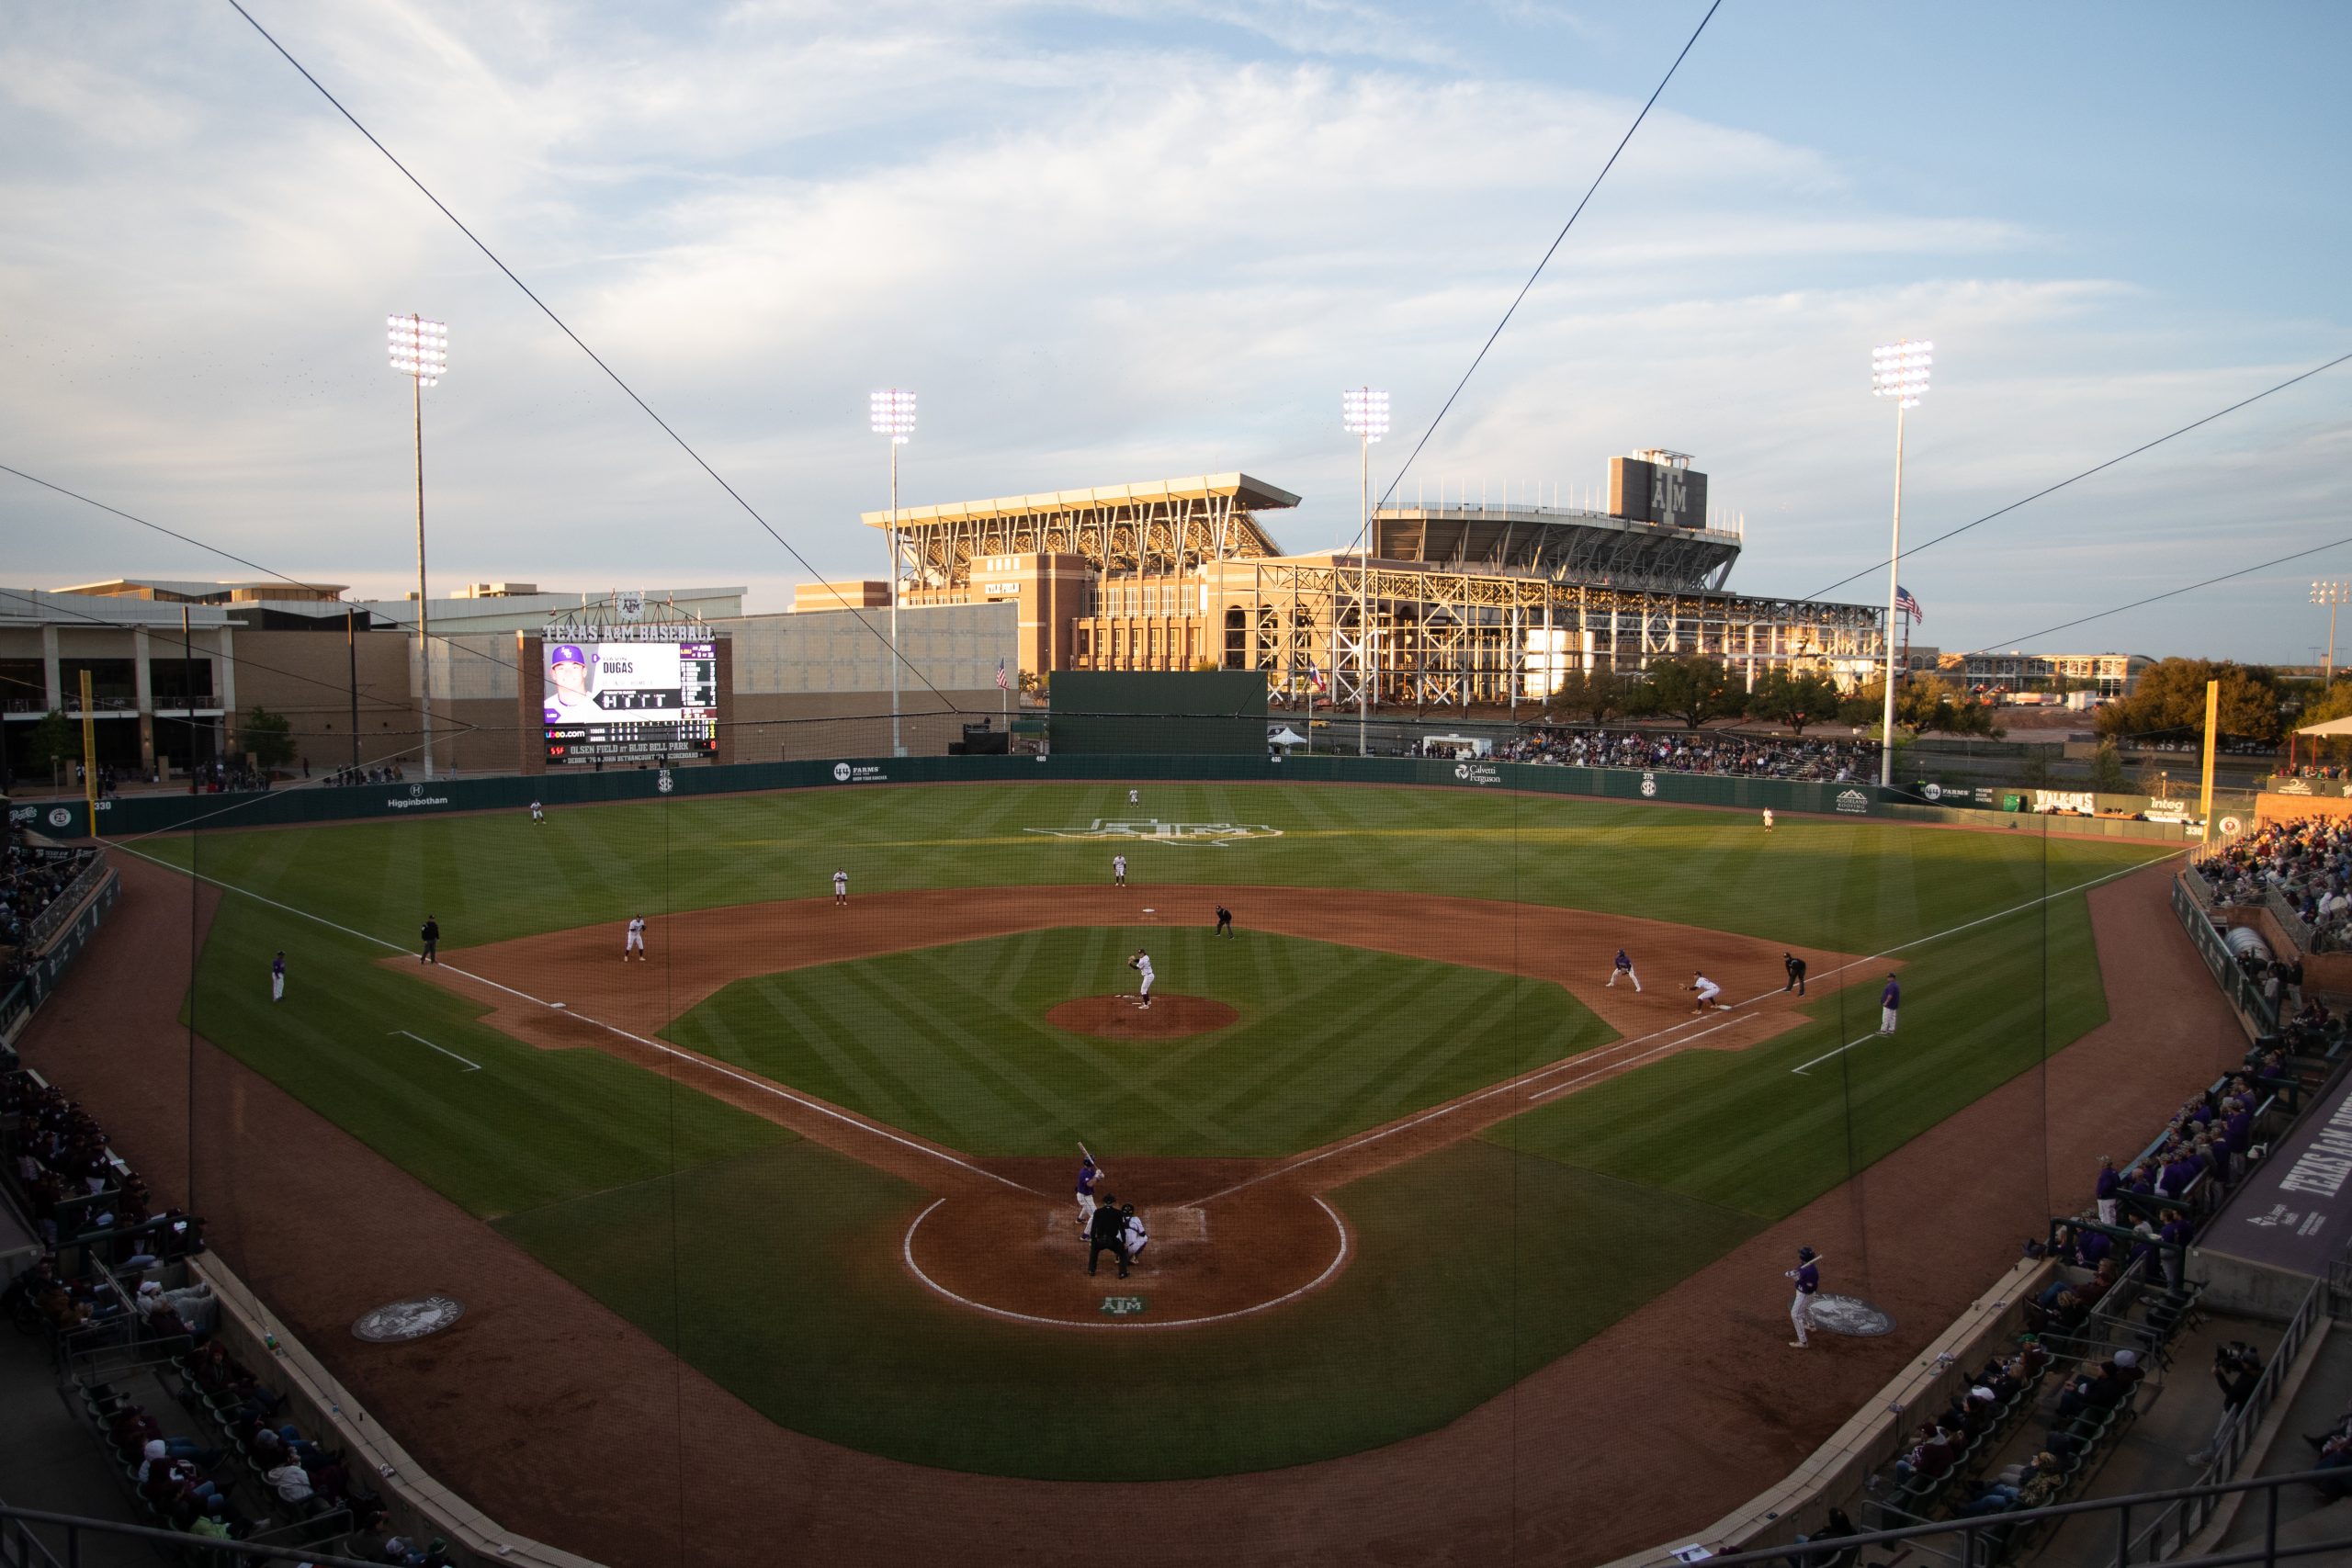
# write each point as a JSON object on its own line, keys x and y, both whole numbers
{"x": 1001, "y": 684}
{"x": 1906, "y": 605}
{"x": 1314, "y": 674}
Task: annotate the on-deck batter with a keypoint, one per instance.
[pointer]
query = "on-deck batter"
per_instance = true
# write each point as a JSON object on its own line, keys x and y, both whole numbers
{"x": 1807, "y": 1274}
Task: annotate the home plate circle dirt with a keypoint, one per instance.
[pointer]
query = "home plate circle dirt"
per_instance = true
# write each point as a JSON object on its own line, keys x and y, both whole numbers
{"x": 1013, "y": 1255}
{"x": 1121, "y": 1018}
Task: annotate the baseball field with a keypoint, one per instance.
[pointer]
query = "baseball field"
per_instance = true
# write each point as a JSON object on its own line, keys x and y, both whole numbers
{"x": 1398, "y": 1144}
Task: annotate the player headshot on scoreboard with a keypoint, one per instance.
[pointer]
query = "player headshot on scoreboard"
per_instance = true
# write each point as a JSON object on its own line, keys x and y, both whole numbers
{"x": 571, "y": 685}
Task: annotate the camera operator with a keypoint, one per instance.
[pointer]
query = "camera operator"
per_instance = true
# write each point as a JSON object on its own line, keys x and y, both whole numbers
{"x": 2237, "y": 1368}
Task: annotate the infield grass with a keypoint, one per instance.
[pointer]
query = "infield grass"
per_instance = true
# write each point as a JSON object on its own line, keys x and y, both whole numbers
{"x": 951, "y": 1042}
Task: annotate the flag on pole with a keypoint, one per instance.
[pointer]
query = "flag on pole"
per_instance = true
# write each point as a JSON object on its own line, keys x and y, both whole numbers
{"x": 1315, "y": 674}
{"x": 1001, "y": 684}
{"x": 1906, "y": 605}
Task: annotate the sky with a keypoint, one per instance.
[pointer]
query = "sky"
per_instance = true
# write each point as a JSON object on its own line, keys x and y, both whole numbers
{"x": 1110, "y": 241}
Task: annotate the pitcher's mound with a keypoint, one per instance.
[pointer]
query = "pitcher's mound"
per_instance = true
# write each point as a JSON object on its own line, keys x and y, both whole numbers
{"x": 1118, "y": 1018}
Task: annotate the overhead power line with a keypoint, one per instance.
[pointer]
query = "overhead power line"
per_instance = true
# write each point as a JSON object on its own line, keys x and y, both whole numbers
{"x": 1549, "y": 252}
{"x": 2156, "y": 598}
{"x": 1873, "y": 570}
{"x": 548, "y": 311}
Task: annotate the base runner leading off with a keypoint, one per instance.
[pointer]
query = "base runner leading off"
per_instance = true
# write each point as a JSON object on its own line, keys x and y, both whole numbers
{"x": 1622, "y": 971}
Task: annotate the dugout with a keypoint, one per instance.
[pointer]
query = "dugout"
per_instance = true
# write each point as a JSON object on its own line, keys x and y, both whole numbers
{"x": 1158, "y": 713}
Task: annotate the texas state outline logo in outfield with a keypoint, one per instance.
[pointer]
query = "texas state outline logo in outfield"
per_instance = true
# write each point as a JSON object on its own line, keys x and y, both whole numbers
{"x": 1209, "y": 835}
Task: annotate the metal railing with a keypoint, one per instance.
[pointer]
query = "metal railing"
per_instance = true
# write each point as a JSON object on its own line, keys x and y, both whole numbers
{"x": 61, "y": 909}
{"x": 1979, "y": 1542}
{"x": 2243, "y": 993}
{"x": 2178, "y": 1522}
{"x": 15, "y": 1533}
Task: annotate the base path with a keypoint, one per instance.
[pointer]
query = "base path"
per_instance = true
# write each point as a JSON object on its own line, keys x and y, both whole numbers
{"x": 564, "y": 1421}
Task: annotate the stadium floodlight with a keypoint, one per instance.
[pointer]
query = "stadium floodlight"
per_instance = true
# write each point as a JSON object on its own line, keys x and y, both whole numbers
{"x": 1898, "y": 370}
{"x": 2331, "y": 594}
{"x": 893, "y": 414}
{"x": 1363, "y": 411}
{"x": 419, "y": 351}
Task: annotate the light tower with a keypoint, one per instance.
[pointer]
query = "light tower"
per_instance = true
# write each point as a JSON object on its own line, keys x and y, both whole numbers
{"x": 1898, "y": 370}
{"x": 419, "y": 351}
{"x": 894, "y": 416}
{"x": 2330, "y": 594}
{"x": 1364, "y": 412}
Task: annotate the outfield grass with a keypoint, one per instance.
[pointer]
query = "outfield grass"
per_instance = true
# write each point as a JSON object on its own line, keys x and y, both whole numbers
{"x": 951, "y": 1042}
{"x": 771, "y": 1263}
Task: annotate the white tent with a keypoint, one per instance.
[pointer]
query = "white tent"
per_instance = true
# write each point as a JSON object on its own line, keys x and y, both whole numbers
{"x": 1286, "y": 737}
{"x": 2329, "y": 726}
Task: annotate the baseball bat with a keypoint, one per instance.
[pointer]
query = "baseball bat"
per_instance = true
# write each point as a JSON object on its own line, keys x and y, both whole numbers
{"x": 1089, "y": 1154}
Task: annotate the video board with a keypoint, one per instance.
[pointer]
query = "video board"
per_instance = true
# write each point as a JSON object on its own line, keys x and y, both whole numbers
{"x": 614, "y": 702}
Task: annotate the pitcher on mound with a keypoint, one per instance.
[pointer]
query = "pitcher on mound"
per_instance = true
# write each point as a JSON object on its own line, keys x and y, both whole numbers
{"x": 1141, "y": 964}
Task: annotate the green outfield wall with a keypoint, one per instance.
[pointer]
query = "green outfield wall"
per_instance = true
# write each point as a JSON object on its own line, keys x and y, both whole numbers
{"x": 1121, "y": 713}
{"x": 289, "y": 807}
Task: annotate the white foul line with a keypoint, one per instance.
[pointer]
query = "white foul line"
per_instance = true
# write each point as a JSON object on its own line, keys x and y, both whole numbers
{"x": 907, "y": 1251}
{"x": 1874, "y": 1035}
{"x": 421, "y": 1040}
{"x": 1588, "y": 1059}
{"x": 764, "y": 1085}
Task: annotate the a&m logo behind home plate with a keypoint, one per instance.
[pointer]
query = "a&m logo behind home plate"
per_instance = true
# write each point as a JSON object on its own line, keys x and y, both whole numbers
{"x": 1213, "y": 835}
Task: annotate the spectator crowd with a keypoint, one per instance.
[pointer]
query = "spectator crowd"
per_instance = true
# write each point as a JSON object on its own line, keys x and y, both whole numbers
{"x": 1693, "y": 751}
{"x": 30, "y": 880}
{"x": 2307, "y": 861}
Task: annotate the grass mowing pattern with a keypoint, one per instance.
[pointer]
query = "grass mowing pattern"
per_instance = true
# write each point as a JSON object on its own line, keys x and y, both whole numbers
{"x": 1419, "y": 1328}
{"x": 809, "y": 1315}
{"x": 950, "y": 1042}
{"x": 532, "y": 1127}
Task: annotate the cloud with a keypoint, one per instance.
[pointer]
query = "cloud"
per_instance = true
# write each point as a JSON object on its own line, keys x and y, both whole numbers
{"x": 1157, "y": 242}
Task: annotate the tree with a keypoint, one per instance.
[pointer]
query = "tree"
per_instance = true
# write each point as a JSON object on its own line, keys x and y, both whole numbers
{"x": 2107, "y": 774}
{"x": 270, "y": 736}
{"x": 55, "y": 738}
{"x": 1923, "y": 704}
{"x": 2170, "y": 700}
{"x": 1793, "y": 698}
{"x": 2334, "y": 703}
{"x": 1596, "y": 693}
{"x": 1693, "y": 689}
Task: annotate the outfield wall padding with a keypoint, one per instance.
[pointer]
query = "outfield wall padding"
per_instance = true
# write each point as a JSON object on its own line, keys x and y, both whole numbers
{"x": 284, "y": 808}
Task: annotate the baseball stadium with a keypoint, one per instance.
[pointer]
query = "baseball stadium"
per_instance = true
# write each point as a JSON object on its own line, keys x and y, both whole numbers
{"x": 1121, "y": 1038}
{"x": 762, "y": 1226}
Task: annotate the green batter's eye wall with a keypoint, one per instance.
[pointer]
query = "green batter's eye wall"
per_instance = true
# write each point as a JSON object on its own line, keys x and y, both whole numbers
{"x": 1128, "y": 714}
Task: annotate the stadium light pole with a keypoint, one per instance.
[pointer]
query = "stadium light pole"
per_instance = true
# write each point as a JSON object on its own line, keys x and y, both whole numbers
{"x": 894, "y": 416}
{"x": 1898, "y": 370}
{"x": 419, "y": 351}
{"x": 1364, "y": 412}
{"x": 2331, "y": 594}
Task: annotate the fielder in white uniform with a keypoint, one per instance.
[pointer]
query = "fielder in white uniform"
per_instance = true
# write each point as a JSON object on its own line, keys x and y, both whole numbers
{"x": 539, "y": 812}
{"x": 1134, "y": 798}
{"x": 1141, "y": 964}
{"x": 636, "y": 943}
{"x": 1137, "y": 1236}
{"x": 841, "y": 887}
{"x": 1707, "y": 990}
{"x": 1767, "y": 819}
{"x": 1118, "y": 871}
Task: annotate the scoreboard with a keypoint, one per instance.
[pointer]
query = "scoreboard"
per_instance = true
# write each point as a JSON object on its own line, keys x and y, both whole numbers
{"x": 614, "y": 702}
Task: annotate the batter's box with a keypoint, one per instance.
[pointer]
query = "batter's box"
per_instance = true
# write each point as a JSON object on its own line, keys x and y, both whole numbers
{"x": 1187, "y": 1225}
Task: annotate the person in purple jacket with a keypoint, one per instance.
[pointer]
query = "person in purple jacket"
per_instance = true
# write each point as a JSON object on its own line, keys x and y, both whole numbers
{"x": 2108, "y": 1183}
{"x": 1888, "y": 1000}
